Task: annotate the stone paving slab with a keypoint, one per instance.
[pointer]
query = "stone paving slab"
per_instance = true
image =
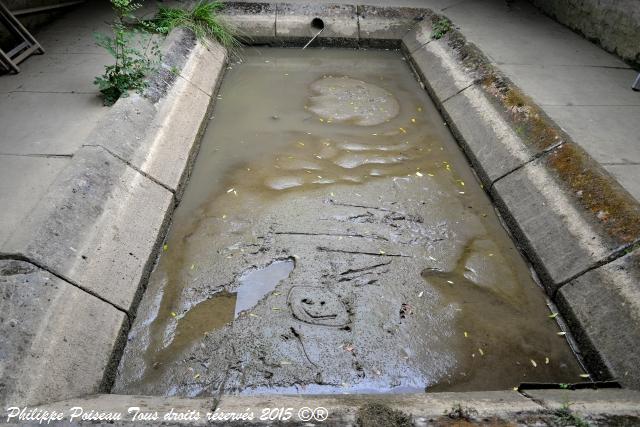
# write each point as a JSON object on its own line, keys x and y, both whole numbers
{"x": 57, "y": 340}
{"x": 597, "y": 128}
{"x": 603, "y": 307}
{"x": 20, "y": 192}
{"x": 57, "y": 122}
{"x": 554, "y": 85}
{"x": 520, "y": 34}
{"x": 97, "y": 226}
{"x": 628, "y": 175}
{"x": 55, "y": 72}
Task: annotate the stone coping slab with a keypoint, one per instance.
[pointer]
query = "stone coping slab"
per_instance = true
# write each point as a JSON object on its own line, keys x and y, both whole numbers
{"x": 538, "y": 407}
{"x": 56, "y": 340}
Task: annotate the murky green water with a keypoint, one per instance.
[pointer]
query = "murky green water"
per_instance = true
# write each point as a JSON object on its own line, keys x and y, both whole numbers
{"x": 403, "y": 277}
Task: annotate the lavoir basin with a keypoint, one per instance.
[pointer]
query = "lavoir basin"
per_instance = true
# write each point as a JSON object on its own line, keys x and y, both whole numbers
{"x": 334, "y": 239}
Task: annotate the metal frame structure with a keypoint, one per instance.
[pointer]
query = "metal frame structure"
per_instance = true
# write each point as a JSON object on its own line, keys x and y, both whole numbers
{"x": 24, "y": 49}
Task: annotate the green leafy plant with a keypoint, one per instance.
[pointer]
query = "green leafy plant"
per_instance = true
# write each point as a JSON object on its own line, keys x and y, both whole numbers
{"x": 440, "y": 28}
{"x": 202, "y": 19}
{"x": 129, "y": 47}
{"x": 565, "y": 417}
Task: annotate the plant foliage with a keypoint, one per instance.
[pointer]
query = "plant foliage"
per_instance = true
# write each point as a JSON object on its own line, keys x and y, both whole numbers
{"x": 202, "y": 20}
{"x": 134, "y": 58}
{"x": 440, "y": 28}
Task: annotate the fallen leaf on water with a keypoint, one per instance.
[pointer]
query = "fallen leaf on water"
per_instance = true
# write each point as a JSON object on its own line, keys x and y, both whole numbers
{"x": 419, "y": 108}
{"x": 562, "y": 333}
{"x": 230, "y": 190}
{"x": 515, "y": 389}
{"x": 253, "y": 315}
{"x": 173, "y": 314}
{"x": 193, "y": 266}
{"x": 553, "y": 316}
{"x": 418, "y": 174}
{"x": 533, "y": 362}
{"x": 481, "y": 352}
{"x": 276, "y": 308}
{"x": 196, "y": 376}
{"x": 413, "y": 120}
{"x": 546, "y": 360}
{"x": 420, "y": 294}
{"x": 584, "y": 375}
{"x": 466, "y": 334}
{"x": 382, "y": 252}
{"x": 165, "y": 248}
{"x": 402, "y": 130}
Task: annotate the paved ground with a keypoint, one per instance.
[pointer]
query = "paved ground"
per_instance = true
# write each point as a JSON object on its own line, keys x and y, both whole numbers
{"x": 49, "y": 108}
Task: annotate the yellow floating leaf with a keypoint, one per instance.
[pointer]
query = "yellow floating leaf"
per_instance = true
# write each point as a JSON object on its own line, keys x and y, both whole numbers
{"x": 418, "y": 174}
{"x": 553, "y": 316}
{"x": 230, "y": 190}
{"x": 193, "y": 266}
{"x": 165, "y": 248}
{"x": 533, "y": 362}
{"x": 584, "y": 375}
{"x": 413, "y": 120}
{"x": 562, "y": 333}
{"x": 253, "y": 315}
{"x": 481, "y": 352}
{"x": 466, "y": 334}
{"x": 546, "y": 360}
{"x": 419, "y": 108}
{"x": 402, "y": 130}
{"x": 276, "y": 308}
{"x": 196, "y": 376}
{"x": 173, "y": 314}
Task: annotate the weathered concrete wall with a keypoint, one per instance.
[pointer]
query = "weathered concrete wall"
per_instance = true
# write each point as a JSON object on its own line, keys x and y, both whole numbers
{"x": 614, "y": 24}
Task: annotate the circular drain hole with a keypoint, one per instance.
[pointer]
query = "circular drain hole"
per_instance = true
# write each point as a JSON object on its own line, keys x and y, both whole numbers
{"x": 317, "y": 24}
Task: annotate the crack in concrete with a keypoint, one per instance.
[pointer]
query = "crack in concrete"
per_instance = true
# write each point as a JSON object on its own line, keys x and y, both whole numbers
{"x": 359, "y": 270}
{"x": 126, "y": 162}
{"x": 19, "y": 257}
{"x": 380, "y": 254}
{"x": 302, "y": 233}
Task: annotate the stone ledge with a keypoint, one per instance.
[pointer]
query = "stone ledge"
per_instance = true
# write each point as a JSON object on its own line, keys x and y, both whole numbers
{"x": 56, "y": 339}
{"x": 482, "y": 408}
{"x": 97, "y": 227}
{"x": 152, "y": 133}
{"x": 602, "y": 307}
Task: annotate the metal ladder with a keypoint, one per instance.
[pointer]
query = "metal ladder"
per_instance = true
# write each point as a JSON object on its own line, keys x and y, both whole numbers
{"x": 29, "y": 45}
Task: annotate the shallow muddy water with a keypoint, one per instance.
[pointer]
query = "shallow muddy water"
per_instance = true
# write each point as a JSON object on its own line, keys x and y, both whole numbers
{"x": 334, "y": 239}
